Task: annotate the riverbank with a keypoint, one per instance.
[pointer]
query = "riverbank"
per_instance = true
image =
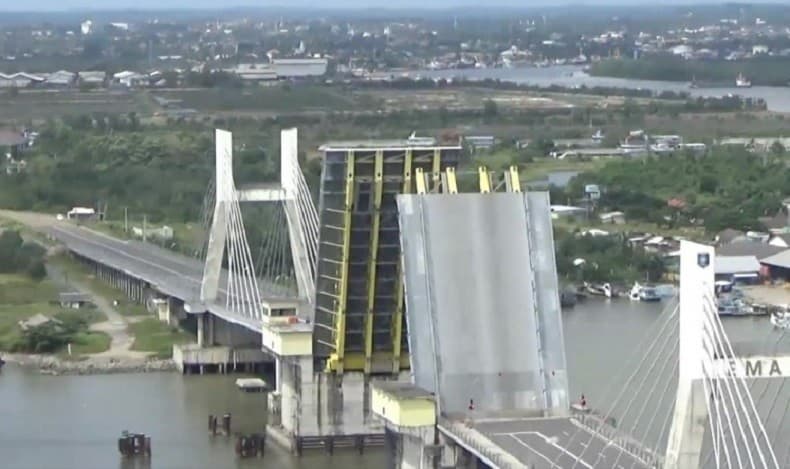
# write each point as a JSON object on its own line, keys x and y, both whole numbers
{"x": 761, "y": 72}
{"x": 91, "y": 365}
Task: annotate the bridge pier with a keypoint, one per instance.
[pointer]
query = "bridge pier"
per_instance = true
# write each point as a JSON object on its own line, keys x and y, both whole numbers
{"x": 221, "y": 347}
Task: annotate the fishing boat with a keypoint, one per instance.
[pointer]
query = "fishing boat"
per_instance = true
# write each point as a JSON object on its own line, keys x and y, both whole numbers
{"x": 604, "y": 289}
{"x": 643, "y": 293}
{"x": 733, "y": 306}
{"x": 781, "y": 319}
{"x": 742, "y": 82}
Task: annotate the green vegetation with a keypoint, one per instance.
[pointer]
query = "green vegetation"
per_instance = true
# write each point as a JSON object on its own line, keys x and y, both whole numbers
{"x": 728, "y": 188}
{"x": 22, "y": 298}
{"x": 761, "y": 71}
{"x": 17, "y": 256}
{"x": 606, "y": 259}
{"x": 90, "y": 342}
{"x": 265, "y": 99}
{"x": 152, "y": 335}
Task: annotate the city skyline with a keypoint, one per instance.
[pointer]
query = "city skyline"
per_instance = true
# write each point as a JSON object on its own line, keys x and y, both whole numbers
{"x": 65, "y": 5}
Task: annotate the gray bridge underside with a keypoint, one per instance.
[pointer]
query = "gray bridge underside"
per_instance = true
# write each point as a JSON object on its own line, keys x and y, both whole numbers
{"x": 482, "y": 301}
{"x": 170, "y": 273}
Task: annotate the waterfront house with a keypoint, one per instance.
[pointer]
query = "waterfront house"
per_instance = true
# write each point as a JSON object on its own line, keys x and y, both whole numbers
{"x": 737, "y": 269}
{"x": 612, "y": 218}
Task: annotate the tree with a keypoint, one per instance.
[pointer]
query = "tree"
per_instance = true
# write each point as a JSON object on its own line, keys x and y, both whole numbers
{"x": 777, "y": 148}
{"x": 37, "y": 270}
{"x": 490, "y": 108}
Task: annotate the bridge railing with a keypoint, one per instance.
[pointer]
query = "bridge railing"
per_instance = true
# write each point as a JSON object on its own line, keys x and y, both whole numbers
{"x": 476, "y": 443}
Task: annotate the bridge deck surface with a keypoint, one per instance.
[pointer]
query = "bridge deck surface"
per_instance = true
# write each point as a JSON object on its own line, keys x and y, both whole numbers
{"x": 552, "y": 443}
{"x": 169, "y": 272}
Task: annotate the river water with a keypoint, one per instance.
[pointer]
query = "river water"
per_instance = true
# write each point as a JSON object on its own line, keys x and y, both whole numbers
{"x": 54, "y": 422}
{"x": 778, "y": 98}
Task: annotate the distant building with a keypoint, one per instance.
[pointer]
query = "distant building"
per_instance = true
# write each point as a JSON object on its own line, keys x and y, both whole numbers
{"x": 12, "y": 143}
{"x": 86, "y": 27}
{"x": 74, "y": 300}
{"x": 81, "y": 213}
{"x": 300, "y": 68}
{"x": 92, "y": 78}
{"x": 130, "y": 79}
{"x": 61, "y": 79}
{"x": 739, "y": 269}
{"x": 480, "y": 142}
{"x": 612, "y": 218}
{"x": 19, "y": 80}
{"x": 254, "y": 72}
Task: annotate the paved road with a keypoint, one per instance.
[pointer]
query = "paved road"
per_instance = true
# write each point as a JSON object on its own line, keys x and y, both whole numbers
{"x": 170, "y": 273}
{"x": 557, "y": 443}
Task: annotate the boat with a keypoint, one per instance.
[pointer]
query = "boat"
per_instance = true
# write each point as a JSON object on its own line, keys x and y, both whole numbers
{"x": 604, "y": 289}
{"x": 649, "y": 294}
{"x": 568, "y": 299}
{"x": 729, "y": 306}
{"x": 742, "y": 82}
{"x": 781, "y": 319}
{"x": 643, "y": 293}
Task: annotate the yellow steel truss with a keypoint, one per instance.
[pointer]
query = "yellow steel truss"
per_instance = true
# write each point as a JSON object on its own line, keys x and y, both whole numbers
{"x": 335, "y": 361}
{"x": 378, "y": 187}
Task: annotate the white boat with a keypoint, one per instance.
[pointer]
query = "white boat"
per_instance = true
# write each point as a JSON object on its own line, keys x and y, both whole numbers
{"x": 742, "y": 82}
{"x": 636, "y": 290}
{"x": 643, "y": 293}
{"x": 781, "y": 319}
{"x": 599, "y": 290}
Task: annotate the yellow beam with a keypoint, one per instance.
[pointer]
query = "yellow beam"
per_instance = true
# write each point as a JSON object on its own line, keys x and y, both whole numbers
{"x": 335, "y": 361}
{"x": 355, "y": 361}
{"x": 421, "y": 189}
{"x": 378, "y": 187}
{"x": 397, "y": 319}
{"x": 514, "y": 182}
{"x": 436, "y": 169}
{"x": 485, "y": 179}
{"x": 452, "y": 183}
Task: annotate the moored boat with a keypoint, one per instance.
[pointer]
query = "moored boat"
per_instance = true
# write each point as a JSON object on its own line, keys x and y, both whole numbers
{"x": 781, "y": 319}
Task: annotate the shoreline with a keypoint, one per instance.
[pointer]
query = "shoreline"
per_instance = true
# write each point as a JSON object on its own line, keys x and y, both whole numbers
{"x": 53, "y": 365}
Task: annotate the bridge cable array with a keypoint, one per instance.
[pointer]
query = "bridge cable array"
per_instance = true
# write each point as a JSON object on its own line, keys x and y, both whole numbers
{"x": 309, "y": 219}
{"x": 243, "y": 291}
{"x": 731, "y": 405}
{"x": 588, "y": 428}
{"x": 633, "y": 424}
{"x": 274, "y": 263}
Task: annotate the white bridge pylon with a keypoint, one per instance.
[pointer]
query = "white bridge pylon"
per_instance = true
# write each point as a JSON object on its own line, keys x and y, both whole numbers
{"x": 227, "y": 234}
{"x": 712, "y": 392}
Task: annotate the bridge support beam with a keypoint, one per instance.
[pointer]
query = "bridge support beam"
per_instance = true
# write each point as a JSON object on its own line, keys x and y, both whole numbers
{"x": 684, "y": 448}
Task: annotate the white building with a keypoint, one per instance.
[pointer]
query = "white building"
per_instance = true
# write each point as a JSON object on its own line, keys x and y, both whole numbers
{"x": 86, "y": 27}
{"x": 19, "y": 80}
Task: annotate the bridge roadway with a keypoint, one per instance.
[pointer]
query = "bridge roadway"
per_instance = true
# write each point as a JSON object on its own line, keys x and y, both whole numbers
{"x": 170, "y": 273}
{"x": 546, "y": 443}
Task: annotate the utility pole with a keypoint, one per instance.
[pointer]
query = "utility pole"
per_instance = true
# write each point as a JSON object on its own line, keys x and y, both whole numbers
{"x": 126, "y": 219}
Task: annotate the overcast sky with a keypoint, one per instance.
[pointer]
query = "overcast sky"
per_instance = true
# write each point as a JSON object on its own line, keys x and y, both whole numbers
{"x": 30, "y": 5}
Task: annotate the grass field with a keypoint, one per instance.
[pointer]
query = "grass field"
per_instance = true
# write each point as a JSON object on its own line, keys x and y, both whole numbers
{"x": 155, "y": 336}
{"x": 31, "y": 105}
{"x": 22, "y": 298}
{"x": 275, "y": 99}
{"x": 80, "y": 273}
{"x": 90, "y": 342}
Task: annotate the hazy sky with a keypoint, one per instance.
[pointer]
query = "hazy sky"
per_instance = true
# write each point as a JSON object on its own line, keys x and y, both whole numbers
{"x": 30, "y": 5}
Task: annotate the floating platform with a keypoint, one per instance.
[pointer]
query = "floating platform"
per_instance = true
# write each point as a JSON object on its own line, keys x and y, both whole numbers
{"x": 252, "y": 385}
